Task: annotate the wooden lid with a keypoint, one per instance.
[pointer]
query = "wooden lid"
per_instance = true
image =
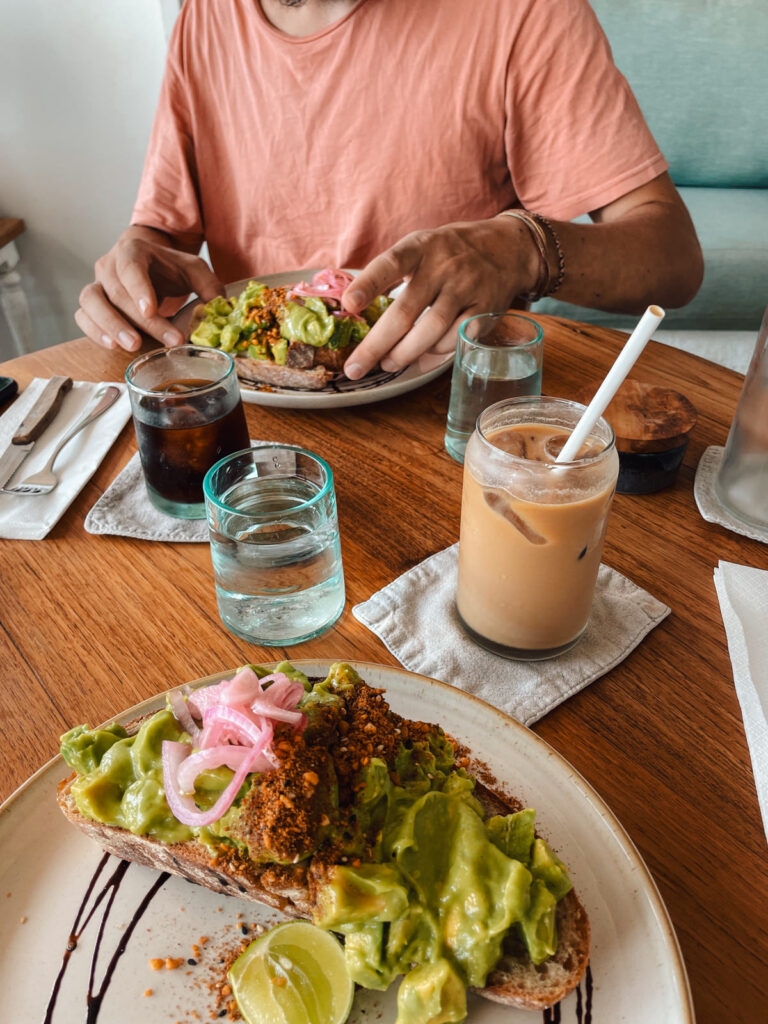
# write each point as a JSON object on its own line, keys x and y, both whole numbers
{"x": 647, "y": 418}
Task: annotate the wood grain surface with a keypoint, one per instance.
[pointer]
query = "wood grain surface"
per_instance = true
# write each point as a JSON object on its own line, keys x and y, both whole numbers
{"x": 91, "y": 625}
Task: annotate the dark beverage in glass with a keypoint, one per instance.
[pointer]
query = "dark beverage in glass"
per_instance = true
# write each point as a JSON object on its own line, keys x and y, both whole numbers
{"x": 175, "y": 458}
{"x": 188, "y": 414}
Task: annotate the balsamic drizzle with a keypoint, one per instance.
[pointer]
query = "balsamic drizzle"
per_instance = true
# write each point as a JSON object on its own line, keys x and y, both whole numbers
{"x": 552, "y": 1015}
{"x": 94, "y": 1000}
{"x": 108, "y": 892}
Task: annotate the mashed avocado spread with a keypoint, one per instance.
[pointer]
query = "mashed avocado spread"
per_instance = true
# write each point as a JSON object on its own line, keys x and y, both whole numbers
{"x": 261, "y": 322}
{"x": 393, "y": 842}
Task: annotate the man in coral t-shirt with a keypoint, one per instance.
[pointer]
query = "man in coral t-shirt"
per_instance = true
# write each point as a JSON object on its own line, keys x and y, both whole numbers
{"x": 393, "y": 135}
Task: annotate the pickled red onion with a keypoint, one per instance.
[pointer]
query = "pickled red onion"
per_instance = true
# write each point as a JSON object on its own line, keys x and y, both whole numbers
{"x": 236, "y": 731}
{"x": 327, "y": 284}
{"x": 282, "y": 685}
{"x": 239, "y": 725}
{"x": 184, "y": 808}
{"x": 183, "y": 715}
{"x": 243, "y": 688}
{"x": 226, "y": 754}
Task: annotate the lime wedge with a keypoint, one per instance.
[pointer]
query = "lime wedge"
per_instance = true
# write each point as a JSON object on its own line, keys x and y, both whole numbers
{"x": 293, "y": 974}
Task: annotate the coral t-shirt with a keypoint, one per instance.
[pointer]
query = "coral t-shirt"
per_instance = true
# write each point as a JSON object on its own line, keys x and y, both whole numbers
{"x": 286, "y": 153}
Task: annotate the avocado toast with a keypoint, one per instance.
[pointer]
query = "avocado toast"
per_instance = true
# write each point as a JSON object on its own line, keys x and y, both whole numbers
{"x": 367, "y": 823}
{"x": 295, "y": 337}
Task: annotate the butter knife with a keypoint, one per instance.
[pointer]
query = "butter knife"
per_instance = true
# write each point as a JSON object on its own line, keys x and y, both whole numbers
{"x": 42, "y": 413}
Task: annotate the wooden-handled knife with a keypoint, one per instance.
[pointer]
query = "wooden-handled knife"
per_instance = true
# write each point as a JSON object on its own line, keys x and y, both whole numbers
{"x": 42, "y": 413}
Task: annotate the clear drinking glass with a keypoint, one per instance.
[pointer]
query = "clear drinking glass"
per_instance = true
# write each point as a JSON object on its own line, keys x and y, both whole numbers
{"x": 275, "y": 544}
{"x": 498, "y": 355}
{"x": 531, "y": 531}
{"x": 187, "y": 413}
{"x": 742, "y": 480}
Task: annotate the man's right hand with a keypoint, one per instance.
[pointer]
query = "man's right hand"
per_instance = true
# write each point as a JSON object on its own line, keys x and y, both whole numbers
{"x": 132, "y": 279}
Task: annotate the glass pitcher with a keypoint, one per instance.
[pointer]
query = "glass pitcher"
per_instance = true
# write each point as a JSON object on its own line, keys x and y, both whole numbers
{"x": 742, "y": 480}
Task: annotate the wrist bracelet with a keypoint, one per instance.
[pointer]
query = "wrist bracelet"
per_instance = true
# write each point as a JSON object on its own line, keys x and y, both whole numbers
{"x": 552, "y": 288}
{"x": 540, "y": 240}
{"x": 540, "y": 227}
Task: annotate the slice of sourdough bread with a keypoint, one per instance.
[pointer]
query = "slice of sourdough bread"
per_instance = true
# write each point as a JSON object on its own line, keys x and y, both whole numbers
{"x": 283, "y": 887}
{"x": 515, "y": 981}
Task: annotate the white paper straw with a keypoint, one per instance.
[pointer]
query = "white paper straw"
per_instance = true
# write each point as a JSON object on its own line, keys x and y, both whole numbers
{"x": 626, "y": 359}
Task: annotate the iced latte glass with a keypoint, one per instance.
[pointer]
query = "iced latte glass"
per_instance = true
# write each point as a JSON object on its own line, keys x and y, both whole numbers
{"x": 531, "y": 531}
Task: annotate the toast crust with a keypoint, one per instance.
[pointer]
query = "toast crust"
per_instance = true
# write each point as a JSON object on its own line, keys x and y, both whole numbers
{"x": 262, "y": 371}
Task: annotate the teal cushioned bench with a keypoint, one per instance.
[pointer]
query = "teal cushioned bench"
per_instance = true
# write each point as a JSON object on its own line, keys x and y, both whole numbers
{"x": 698, "y": 69}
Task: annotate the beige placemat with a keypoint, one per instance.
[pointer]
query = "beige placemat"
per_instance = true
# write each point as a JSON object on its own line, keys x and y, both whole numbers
{"x": 415, "y": 616}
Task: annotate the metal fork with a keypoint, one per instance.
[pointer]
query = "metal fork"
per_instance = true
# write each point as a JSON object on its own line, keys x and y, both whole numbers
{"x": 45, "y": 480}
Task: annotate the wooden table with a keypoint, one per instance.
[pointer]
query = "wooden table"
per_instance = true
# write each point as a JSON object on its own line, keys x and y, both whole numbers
{"x": 91, "y": 625}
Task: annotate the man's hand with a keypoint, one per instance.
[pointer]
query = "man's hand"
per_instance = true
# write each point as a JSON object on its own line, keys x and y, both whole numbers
{"x": 452, "y": 272}
{"x": 642, "y": 249}
{"x": 137, "y": 273}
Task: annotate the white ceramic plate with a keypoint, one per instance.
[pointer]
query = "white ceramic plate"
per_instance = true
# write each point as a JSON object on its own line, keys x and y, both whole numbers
{"x": 46, "y": 866}
{"x": 374, "y": 387}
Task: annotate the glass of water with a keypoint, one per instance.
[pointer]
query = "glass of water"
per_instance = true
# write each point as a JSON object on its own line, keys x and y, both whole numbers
{"x": 275, "y": 544}
{"x": 498, "y": 356}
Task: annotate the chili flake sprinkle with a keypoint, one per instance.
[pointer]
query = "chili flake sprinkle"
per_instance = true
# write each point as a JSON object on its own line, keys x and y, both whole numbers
{"x": 291, "y": 811}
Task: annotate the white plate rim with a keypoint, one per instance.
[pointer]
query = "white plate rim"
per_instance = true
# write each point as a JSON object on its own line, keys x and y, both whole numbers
{"x": 408, "y": 380}
{"x": 314, "y": 667}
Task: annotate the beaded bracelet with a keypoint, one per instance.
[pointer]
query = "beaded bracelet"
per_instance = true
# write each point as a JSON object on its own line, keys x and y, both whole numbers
{"x": 537, "y": 225}
{"x": 540, "y": 240}
{"x": 552, "y": 288}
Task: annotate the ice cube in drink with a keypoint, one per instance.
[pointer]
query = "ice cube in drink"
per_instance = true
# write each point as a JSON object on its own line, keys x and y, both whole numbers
{"x": 180, "y": 440}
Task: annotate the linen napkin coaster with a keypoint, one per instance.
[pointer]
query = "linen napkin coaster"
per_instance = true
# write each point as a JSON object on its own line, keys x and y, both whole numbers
{"x": 743, "y": 595}
{"x": 125, "y": 510}
{"x": 415, "y": 616}
{"x": 709, "y": 504}
{"x": 33, "y": 516}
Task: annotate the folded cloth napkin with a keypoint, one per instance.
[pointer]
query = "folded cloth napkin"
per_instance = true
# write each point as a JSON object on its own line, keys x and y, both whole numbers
{"x": 416, "y": 618}
{"x": 125, "y": 509}
{"x": 33, "y": 516}
{"x": 710, "y": 506}
{"x": 743, "y": 595}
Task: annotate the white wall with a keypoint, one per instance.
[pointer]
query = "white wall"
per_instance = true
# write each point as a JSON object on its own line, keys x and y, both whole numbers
{"x": 78, "y": 86}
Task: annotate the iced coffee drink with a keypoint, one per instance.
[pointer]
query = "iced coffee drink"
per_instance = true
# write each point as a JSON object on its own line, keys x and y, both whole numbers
{"x": 532, "y": 531}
